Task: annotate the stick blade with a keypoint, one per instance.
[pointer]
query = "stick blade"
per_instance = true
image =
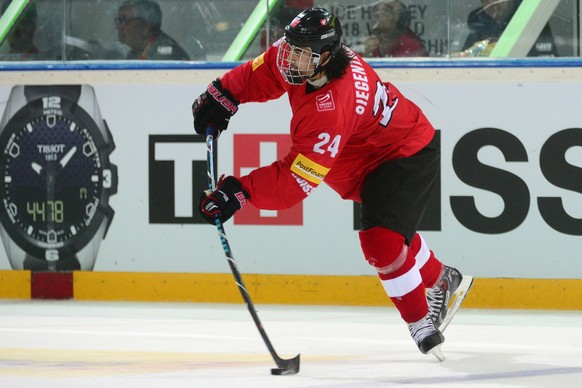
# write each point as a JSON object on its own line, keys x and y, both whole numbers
{"x": 286, "y": 367}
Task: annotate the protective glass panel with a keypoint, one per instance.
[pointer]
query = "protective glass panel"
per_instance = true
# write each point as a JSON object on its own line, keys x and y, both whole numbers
{"x": 226, "y": 30}
{"x": 443, "y": 29}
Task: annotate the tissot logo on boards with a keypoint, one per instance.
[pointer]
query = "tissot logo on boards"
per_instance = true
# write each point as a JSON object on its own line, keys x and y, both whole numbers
{"x": 178, "y": 174}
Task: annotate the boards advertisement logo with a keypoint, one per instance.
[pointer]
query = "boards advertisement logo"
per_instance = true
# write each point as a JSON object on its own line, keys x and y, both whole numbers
{"x": 177, "y": 172}
{"x": 251, "y": 152}
{"x": 175, "y": 175}
{"x": 57, "y": 177}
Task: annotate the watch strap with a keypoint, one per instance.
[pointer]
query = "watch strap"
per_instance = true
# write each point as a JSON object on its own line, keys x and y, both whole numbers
{"x": 64, "y": 264}
{"x": 71, "y": 92}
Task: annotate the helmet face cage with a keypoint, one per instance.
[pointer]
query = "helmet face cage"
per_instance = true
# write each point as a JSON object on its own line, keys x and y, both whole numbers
{"x": 313, "y": 32}
{"x": 296, "y": 64}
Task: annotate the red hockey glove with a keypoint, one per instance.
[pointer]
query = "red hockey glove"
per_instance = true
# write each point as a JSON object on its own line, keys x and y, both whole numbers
{"x": 213, "y": 108}
{"x": 223, "y": 202}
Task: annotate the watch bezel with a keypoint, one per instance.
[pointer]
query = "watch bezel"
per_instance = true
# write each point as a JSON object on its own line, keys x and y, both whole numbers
{"x": 70, "y": 110}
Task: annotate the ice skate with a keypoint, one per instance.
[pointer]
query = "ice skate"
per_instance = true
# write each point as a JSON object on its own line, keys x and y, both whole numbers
{"x": 427, "y": 337}
{"x": 445, "y": 298}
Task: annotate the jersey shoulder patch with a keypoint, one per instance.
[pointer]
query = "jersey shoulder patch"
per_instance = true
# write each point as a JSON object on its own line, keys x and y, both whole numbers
{"x": 258, "y": 61}
{"x": 308, "y": 169}
{"x": 325, "y": 102}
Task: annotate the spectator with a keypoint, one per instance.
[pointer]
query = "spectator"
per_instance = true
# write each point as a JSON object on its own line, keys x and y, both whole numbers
{"x": 392, "y": 35}
{"x": 488, "y": 22}
{"x": 21, "y": 36}
{"x": 139, "y": 24}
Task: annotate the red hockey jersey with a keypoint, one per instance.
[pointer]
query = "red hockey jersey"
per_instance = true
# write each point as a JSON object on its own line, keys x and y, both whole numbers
{"x": 339, "y": 132}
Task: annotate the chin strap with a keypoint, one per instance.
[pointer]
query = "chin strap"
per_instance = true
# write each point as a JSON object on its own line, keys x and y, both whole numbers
{"x": 318, "y": 82}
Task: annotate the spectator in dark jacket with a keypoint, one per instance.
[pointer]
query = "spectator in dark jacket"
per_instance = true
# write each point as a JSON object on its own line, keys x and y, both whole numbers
{"x": 488, "y": 22}
{"x": 139, "y": 25}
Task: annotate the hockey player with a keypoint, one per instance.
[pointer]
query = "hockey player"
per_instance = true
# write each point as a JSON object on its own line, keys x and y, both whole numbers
{"x": 365, "y": 140}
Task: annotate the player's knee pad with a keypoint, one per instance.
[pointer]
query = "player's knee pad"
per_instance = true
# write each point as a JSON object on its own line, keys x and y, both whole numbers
{"x": 383, "y": 249}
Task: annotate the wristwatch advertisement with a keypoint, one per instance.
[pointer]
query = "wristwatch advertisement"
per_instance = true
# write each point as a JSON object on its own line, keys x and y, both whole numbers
{"x": 56, "y": 178}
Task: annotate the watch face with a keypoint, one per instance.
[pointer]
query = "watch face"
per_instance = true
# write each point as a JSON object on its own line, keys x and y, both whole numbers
{"x": 56, "y": 178}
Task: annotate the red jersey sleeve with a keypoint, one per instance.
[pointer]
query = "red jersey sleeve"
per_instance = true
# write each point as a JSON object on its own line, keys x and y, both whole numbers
{"x": 318, "y": 137}
{"x": 258, "y": 80}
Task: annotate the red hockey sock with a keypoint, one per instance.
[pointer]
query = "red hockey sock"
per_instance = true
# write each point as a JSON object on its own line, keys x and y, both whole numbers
{"x": 412, "y": 306}
{"x": 406, "y": 290}
{"x": 396, "y": 266}
{"x": 429, "y": 266}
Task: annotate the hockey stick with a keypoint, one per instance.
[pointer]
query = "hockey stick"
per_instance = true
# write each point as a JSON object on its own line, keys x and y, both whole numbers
{"x": 285, "y": 366}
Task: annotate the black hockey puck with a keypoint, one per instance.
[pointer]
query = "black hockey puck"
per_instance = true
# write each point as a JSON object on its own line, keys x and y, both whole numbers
{"x": 283, "y": 371}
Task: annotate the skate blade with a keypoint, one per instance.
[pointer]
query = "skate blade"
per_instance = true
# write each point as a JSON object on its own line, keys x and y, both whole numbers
{"x": 456, "y": 300}
{"x": 437, "y": 352}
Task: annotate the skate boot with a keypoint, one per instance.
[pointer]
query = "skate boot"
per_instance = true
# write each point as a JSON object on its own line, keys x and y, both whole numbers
{"x": 445, "y": 298}
{"x": 427, "y": 337}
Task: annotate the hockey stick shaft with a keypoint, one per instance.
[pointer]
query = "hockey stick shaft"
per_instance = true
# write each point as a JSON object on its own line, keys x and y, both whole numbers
{"x": 290, "y": 366}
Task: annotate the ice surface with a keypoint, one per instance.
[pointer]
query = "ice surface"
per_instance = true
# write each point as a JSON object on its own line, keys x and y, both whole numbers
{"x": 100, "y": 344}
